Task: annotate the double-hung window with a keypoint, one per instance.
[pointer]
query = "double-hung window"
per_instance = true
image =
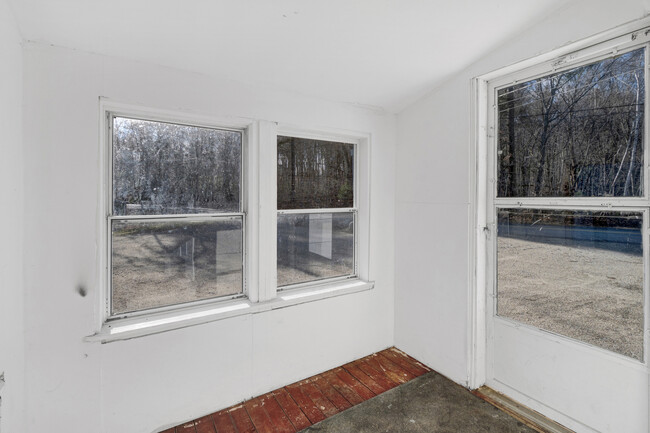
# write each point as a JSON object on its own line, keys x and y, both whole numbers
{"x": 195, "y": 229}
{"x": 175, "y": 215}
{"x": 317, "y": 211}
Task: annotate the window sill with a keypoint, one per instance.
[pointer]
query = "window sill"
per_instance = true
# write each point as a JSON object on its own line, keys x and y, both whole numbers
{"x": 125, "y": 329}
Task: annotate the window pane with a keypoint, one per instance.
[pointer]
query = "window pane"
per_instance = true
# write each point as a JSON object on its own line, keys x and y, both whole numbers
{"x": 574, "y": 273}
{"x": 315, "y": 246}
{"x": 164, "y": 168}
{"x": 159, "y": 263}
{"x": 577, "y": 133}
{"x": 315, "y": 174}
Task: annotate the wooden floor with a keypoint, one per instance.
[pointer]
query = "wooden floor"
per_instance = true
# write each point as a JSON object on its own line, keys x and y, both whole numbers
{"x": 301, "y": 404}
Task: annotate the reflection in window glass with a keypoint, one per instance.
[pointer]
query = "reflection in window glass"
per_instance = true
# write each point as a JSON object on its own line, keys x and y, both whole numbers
{"x": 314, "y": 246}
{"x": 315, "y": 174}
{"x": 164, "y": 168}
{"x": 577, "y": 133}
{"x": 160, "y": 263}
{"x": 574, "y": 273}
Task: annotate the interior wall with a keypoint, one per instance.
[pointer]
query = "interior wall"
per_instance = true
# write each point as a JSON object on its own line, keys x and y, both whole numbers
{"x": 139, "y": 385}
{"x": 433, "y": 190}
{"x": 11, "y": 217}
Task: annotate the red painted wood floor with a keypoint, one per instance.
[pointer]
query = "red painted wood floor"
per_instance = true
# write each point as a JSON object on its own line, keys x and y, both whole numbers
{"x": 301, "y": 404}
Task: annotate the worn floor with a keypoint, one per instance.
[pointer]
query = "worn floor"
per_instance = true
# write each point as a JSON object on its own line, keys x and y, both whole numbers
{"x": 301, "y": 404}
{"x": 428, "y": 404}
{"x": 385, "y": 392}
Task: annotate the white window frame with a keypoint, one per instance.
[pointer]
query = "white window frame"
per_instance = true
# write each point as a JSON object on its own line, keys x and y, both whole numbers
{"x": 213, "y": 216}
{"x": 483, "y": 172}
{"x": 356, "y": 142}
{"x": 259, "y": 206}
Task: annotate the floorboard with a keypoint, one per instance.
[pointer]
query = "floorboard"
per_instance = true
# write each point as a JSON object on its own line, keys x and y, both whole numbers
{"x": 223, "y": 422}
{"x": 299, "y": 405}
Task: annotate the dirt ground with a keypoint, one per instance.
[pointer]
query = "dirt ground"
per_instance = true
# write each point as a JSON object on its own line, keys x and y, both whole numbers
{"x": 168, "y": 266}
{"x": 311, "y": 267}
{"x": 157, "y": 269}
{"x": 593, "y": 295}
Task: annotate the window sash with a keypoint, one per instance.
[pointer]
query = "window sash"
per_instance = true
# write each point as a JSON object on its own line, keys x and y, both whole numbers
{"x": 110, "y": 115}
{"x": 356, "y": 182}
{"x": 355, "y": 248}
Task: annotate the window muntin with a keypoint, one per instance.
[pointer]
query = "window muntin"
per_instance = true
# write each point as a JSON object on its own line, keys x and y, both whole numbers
{"x": 575, "y": 273}
{"x": 316, "y": 229}
{"x": 175, "y": 223}
{"x": 576, "y": 133}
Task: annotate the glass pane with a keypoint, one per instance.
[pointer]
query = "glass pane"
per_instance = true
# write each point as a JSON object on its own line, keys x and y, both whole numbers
{"x": 315, "y": 246}
{"x": 574, "y": 273}
{"x": 577, "y": 133}
{"x": 159, "y": 263}
{"x": 315, "y": 174}
{"x": 164, "y": 168}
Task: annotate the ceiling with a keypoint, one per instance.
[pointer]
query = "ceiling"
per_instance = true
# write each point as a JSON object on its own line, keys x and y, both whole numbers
{"x": 383, "y": 54}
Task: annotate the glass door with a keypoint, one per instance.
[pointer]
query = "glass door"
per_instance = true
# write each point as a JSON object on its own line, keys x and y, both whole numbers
{"x": 567, "y": 260}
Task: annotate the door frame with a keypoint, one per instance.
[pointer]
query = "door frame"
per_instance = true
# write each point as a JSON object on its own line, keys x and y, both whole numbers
{"x": 636, "y": 32}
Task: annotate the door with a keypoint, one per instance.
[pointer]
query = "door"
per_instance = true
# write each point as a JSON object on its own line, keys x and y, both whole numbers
{"x": 567, "y": 237}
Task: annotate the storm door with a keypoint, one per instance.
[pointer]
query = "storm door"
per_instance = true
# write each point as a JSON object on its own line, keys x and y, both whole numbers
{"x": 567, "y": 251}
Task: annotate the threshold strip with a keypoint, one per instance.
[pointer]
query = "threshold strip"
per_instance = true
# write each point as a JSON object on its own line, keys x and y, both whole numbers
{"x": 526, "y": 415}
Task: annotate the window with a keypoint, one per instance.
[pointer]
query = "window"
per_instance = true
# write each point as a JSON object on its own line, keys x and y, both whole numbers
{"x": 175, "y": 220}
{"x": 316, "y": 210}
{"x": 203, "y": 221}
{"x": 570, "y": 202}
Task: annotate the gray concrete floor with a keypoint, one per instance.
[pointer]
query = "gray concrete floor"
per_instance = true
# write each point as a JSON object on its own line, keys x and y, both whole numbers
{"x": 430, "y": 403}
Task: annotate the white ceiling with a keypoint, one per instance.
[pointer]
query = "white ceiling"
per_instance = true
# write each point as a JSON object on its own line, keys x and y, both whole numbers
{"x": 380, "y": 53}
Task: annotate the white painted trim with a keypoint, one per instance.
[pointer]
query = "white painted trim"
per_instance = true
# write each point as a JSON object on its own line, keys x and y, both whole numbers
{"x": 573, "y": 343}
{"x": 477, "y": 342}
{"x": 251, "y": 186}
{"x": 178, "y": 117}
{"x": 126, "y": 329}
{"x": 267, "y": 205}
{"x": 316, "y": 211}
{"x": 321, "y": 133}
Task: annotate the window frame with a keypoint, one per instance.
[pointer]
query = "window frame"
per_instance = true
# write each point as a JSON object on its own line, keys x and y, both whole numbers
{"x": 356, "y": 143}
{"x": 259, "y": 226}
{"x": 108, "y": 111}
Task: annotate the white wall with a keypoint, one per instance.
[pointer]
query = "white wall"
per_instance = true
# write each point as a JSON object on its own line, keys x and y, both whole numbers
{"x": 433, "y": 172}
{"x": 11, "y": 217}
{"x": 142, "y": 384}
